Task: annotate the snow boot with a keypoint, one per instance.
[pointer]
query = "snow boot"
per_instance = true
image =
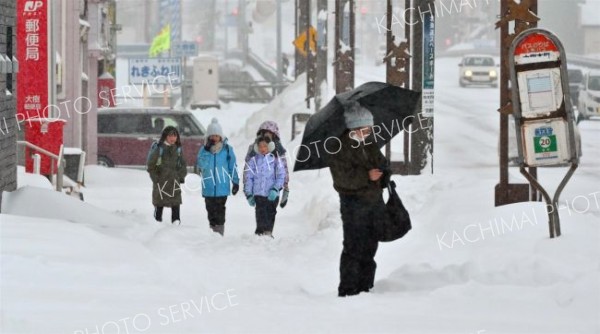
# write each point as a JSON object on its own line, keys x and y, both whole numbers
{"x": 175, "y": 219}
{"x": 218, "y": 229}
{"x": 158, "y": 211}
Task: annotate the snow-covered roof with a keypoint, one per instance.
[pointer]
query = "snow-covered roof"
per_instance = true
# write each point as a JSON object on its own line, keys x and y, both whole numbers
{"x": 589, "y": 13}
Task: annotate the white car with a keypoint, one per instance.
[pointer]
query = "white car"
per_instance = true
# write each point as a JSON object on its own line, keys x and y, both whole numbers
{"x": 477, "y": 70}
{"x": 589, "y": 96}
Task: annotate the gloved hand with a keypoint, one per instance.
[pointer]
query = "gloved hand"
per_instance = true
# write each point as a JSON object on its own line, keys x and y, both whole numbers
{"x": 284, "y": 198}
{"x": 251, "y": 200}
{"x": 385, "y": 178}
{"x": 235, "y": 189}
{"x": 273, "y": 194}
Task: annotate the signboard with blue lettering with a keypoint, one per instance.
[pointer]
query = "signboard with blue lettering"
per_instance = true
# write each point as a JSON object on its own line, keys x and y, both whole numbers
{"x": 155, "y": 71}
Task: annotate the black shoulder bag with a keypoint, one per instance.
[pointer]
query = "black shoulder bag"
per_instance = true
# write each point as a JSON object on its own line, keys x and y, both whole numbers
{"x": 396, "y": 221}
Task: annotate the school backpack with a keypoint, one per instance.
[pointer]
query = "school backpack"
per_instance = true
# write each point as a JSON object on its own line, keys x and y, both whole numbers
{"x": 153, "y": 149}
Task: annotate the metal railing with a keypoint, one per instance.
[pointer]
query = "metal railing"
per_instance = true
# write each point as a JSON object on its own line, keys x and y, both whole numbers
{"x": 250, "y": 91}
{"x": 57, "y": 162}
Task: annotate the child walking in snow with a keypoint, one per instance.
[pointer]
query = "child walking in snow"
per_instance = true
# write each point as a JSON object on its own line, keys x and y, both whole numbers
{"x": 271, "y": 129}
{"x": 167, "y": 169}
{"x": 264, "y": 177}
{"x": 216, "y": 163}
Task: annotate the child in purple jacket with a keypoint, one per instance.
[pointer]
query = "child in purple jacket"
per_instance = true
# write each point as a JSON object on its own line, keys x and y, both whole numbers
{"x": 264, "y": 176}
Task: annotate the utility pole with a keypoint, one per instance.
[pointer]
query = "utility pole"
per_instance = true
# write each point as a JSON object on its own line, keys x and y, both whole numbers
{"x": 243, "y": 29}
{"x": 344, "y": 46}
{"x": 302, "y": 18}
{"x": 311, "y": 66}
{"x": 516, "y": 13}
{"x": 279, "y": 56}
{"x": 397, "y": 63}
{"x": 421, "y": 142}
{"x": 321, "y": 79}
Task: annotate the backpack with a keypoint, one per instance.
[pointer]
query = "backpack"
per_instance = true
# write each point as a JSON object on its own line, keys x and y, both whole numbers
{"x": 153, "y": 149}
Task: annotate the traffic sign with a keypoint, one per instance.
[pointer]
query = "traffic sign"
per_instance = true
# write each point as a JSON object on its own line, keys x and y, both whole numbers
{"x": 300, "y": 41}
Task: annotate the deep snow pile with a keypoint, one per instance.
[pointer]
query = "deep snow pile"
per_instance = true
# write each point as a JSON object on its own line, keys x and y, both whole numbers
{"x": 466, "y": 267}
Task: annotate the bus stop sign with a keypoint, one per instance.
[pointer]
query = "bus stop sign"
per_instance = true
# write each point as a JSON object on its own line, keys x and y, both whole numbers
{"x": 544, "y": 120}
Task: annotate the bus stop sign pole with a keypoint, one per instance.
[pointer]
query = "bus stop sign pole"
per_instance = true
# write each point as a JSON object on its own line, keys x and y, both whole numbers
{"x": 544, "y": 119}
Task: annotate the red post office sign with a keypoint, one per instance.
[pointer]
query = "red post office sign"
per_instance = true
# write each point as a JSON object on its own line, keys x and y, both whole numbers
{"x": 32, "y": 53}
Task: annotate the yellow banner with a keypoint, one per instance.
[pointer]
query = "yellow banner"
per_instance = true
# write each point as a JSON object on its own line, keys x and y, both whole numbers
{"x": 162, "y": 42}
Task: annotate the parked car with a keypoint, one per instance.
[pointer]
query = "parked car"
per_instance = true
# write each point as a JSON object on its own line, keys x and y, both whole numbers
{"x": 477, "y": 70}
{"x": 575, "y": 82}
{"x": 589, "y": 96}
{"x": 126, "y": 134}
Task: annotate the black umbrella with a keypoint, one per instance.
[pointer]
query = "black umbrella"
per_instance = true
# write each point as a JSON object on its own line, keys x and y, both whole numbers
{"x": 389, "y": 104}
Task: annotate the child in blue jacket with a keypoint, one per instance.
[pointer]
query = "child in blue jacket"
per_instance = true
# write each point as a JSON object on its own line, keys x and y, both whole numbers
{"x": 264, "y": 177}
{"x": 216, "y": 163}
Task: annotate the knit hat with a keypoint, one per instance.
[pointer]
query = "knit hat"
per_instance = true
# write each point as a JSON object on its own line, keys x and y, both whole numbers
{"x": 214, "y": 128}
{"x": 358, "y": 116}
{"x": 270, "y": 126}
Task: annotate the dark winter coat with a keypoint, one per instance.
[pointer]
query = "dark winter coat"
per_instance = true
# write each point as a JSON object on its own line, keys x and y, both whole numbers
{"x": 350, "y": 168}
{"x": 167, "y": 178}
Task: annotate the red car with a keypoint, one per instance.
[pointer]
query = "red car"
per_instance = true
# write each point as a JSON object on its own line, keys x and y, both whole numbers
{"x": 126, "y": 134}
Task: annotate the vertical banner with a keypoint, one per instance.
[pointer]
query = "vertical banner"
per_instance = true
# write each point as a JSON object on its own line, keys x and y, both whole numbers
{"x": 32, "y": 53}
{"x": 170, "y": 14}
{"x": 428, "y": 64}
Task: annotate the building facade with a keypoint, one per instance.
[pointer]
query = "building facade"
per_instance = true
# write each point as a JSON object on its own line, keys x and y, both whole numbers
{"x": 8, "y": 105}
{"x": 83, "y": 49}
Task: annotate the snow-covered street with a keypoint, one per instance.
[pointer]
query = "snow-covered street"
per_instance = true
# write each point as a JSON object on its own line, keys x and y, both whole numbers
{"x": 105, "y": 266}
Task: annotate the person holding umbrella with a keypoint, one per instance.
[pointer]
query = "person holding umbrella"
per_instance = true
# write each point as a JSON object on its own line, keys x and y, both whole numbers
{"x": 346, "y": 135}
{"x": 359, "y": 172}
